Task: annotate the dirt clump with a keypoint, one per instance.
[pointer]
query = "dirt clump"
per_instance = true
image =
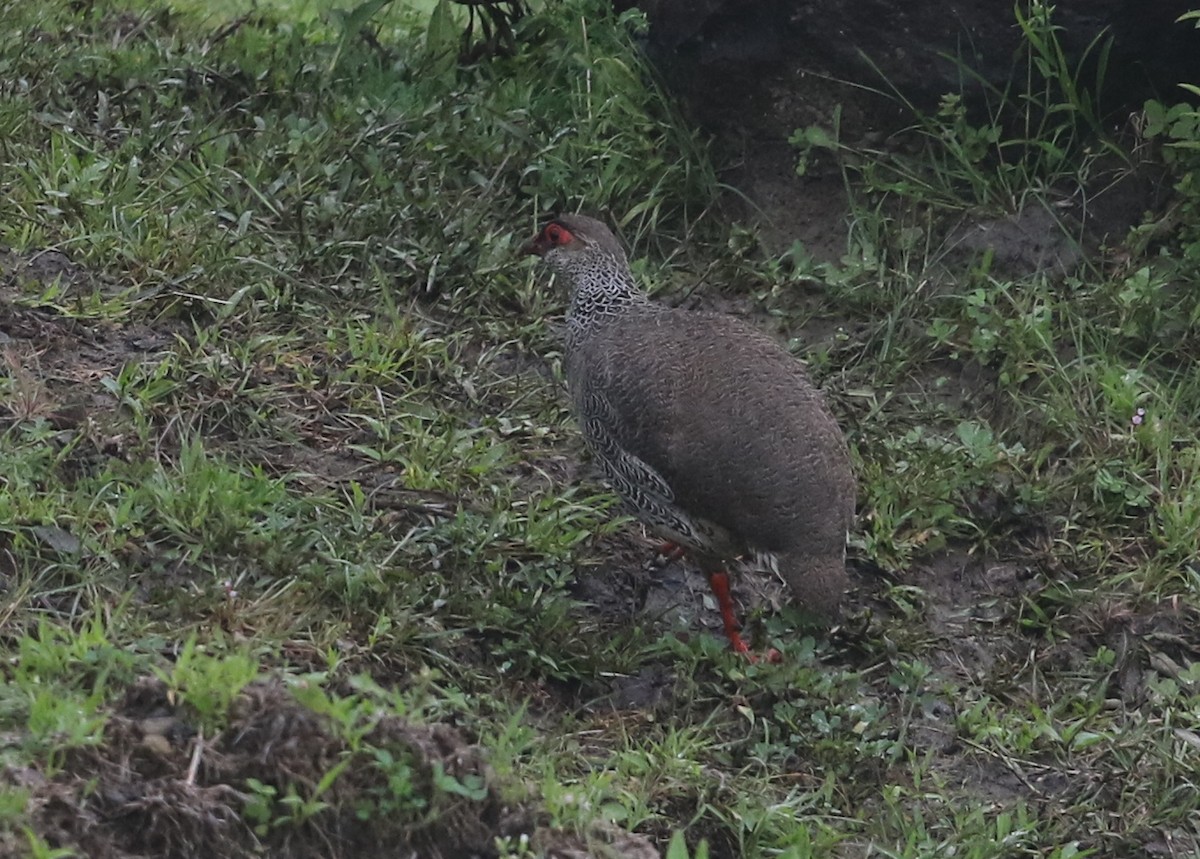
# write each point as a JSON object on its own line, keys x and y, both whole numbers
{"x": 157, "y": 787}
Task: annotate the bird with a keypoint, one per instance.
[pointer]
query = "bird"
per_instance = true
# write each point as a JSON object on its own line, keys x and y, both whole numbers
{"x": 710, "y": 432}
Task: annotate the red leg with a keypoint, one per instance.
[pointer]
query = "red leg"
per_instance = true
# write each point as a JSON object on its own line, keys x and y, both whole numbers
{"x": 719, "y": 582}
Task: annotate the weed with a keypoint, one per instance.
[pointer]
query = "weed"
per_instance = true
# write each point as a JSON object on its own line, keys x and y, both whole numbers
{"x": 1040, "y": 134}
{"x": 39, "y": 849}
{"x": 208, "y": 684}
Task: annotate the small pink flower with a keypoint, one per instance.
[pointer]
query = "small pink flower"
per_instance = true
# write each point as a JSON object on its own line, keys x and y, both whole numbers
{"x": 1139, "y": 417}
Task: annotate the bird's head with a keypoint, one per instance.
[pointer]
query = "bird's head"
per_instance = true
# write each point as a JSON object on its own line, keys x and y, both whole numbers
{"x": 572, "y": 243}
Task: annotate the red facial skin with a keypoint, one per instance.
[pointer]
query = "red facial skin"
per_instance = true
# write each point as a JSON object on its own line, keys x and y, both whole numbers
{"x": 552, "y": 235}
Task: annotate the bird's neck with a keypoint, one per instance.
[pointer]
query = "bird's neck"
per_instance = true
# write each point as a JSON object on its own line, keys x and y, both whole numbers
{"x": 599, "y": 295}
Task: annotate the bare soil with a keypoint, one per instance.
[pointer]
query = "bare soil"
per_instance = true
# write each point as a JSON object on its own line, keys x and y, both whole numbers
{"x": 157, "y": 787}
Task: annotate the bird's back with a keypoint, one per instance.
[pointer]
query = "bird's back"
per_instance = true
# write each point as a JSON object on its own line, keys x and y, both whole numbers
{"x": 728, "y": 419}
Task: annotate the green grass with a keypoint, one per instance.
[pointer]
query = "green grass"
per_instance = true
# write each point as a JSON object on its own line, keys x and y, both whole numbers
{"x": 292, "y": 529}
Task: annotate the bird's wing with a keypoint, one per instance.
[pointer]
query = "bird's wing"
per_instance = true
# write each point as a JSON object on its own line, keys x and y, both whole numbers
{"x": 603, "y": 428}
{"x": 709, "y": 407}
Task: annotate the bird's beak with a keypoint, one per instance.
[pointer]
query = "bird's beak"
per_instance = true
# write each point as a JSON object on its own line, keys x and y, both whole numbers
{"x": 536, "y": 245}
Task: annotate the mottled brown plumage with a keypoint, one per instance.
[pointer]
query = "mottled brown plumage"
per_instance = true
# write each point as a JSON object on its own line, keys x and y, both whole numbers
{"x": 708, "y": 429}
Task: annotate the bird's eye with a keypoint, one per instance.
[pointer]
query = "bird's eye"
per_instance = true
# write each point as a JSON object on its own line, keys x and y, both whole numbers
{"x": 557, "y": 235}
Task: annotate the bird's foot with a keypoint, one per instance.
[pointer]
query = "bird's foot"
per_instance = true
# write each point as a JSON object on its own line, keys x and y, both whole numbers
{"x": 771, "y": 657}
{"x": 670, "y": 551}
{"x": 719, "y": 582}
